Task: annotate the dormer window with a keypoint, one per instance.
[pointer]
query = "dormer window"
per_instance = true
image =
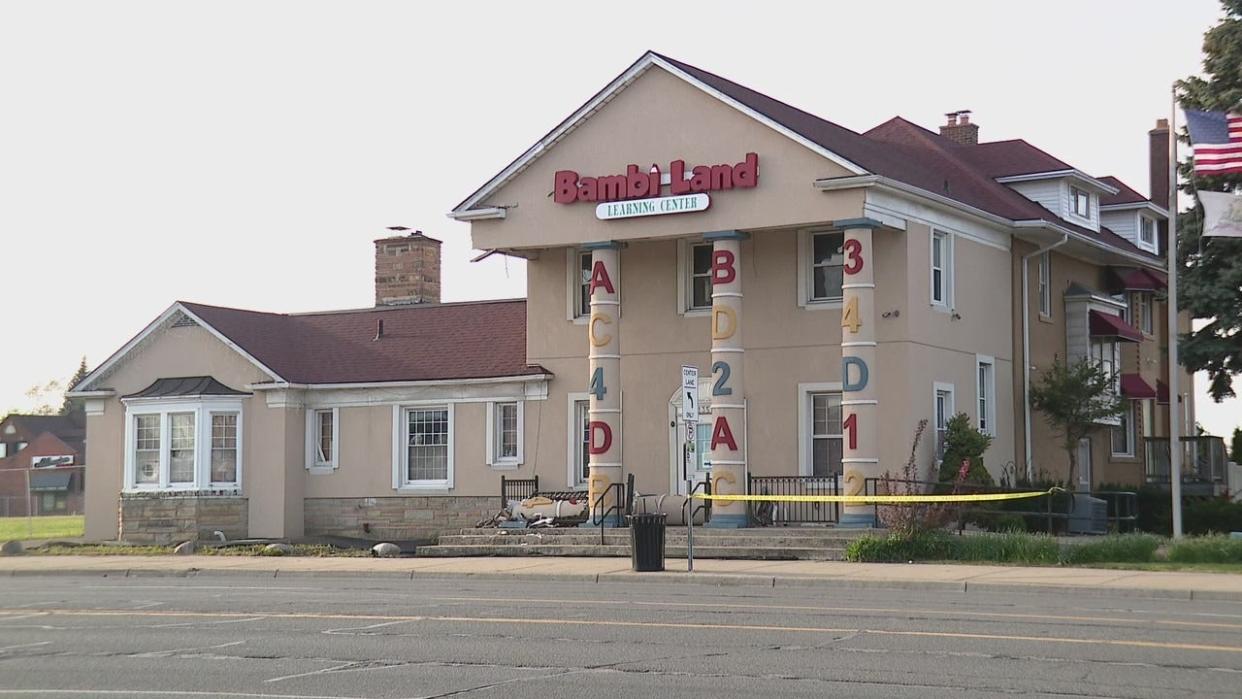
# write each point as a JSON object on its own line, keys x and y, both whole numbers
{"x": 1147, "y": 232}
{"x": 1080, "y": 202}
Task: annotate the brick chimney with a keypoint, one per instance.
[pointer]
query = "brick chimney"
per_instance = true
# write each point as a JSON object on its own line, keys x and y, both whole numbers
{"x": 407, "y": 269}
{"x": 1158, "y": 159}
{"x": 959, "y": 129}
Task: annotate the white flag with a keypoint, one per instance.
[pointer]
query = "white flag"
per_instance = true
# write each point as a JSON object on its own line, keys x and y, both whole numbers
{"x": 1222, "y": 214}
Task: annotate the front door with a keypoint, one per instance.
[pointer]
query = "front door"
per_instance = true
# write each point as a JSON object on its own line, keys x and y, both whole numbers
{"x": 1084, "y": 465}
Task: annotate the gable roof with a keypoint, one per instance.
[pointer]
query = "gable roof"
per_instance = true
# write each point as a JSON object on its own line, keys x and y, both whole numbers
{"x": 1125, "y": 194}
{"x": 897, "y": 149}
{"x": 419, "y": 342}
{"x": 27, "y": 427}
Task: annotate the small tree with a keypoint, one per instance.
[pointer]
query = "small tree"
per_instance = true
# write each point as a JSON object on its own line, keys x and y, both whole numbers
{"x": 1235, "y": 445}
{"x": 68, "y": 406}
{"x": 1075, "y": 398}
{"x": 963, "y": 442}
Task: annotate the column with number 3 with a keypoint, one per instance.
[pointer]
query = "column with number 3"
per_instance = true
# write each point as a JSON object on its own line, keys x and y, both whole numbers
{"x": 859, "y": 401}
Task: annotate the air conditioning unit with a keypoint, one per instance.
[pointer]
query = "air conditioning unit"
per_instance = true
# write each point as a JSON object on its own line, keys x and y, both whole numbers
{"x": 1089, "y": 516}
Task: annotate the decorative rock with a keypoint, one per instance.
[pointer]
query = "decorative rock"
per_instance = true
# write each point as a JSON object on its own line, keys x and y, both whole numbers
{"x": 385, "y": 550}
{"x": 11, "y": 548}
{"x": 277, "y": 549}
{"x": 186, "y": 548}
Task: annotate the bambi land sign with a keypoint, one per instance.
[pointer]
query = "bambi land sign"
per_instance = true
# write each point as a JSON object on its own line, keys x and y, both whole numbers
{"x": 638, "y": 193}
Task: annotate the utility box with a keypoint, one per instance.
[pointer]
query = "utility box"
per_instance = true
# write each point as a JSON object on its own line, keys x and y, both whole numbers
{"x": 1089, "y": 516}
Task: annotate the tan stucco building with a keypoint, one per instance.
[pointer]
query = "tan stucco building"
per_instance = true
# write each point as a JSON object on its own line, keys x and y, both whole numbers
{"x": 833, "y": 289}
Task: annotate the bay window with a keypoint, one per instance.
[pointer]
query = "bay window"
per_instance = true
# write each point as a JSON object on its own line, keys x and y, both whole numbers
{"x": 183, "y": 445}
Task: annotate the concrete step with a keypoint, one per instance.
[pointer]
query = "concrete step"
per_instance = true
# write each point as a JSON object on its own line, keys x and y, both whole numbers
{"x": 596, "y": 550}
{"x": 622, "y": 538}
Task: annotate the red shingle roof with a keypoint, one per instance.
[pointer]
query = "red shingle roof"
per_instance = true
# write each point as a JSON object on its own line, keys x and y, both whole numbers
{"x": 430, "y": 342}
{"x": 1125, "y": 194}
{"x": 906, "y": 152}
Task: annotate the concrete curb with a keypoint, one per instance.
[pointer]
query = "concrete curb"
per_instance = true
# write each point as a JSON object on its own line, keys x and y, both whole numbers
{"x": 965, "y": 587}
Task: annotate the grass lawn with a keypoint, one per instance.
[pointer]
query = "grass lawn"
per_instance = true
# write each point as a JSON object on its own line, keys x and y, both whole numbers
{"x": 67, "y": 527}
{"x": 1172, "y": 565}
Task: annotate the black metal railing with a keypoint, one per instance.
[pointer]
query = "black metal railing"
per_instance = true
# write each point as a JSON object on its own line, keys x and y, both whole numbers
{"x": 1048, "y": 511}
{"x": 691, "y": 506}
{"x": 1203, "y": 459}
{"x": 517, "y": 489}
{"x": 782, "y": 513}
{"x": 621, "y": 505}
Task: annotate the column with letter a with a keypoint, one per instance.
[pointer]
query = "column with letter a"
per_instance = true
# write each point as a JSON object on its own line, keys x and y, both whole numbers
{"x": 604, "y": 352}
{"x": 727, "y": 450}
{"x": 859, "y": 398}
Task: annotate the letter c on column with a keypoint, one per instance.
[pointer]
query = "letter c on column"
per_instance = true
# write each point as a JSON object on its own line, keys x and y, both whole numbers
{"x": 599, "y": 340}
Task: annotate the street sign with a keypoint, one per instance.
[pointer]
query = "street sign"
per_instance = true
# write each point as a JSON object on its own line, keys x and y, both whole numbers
{"x": 690, "y": 394}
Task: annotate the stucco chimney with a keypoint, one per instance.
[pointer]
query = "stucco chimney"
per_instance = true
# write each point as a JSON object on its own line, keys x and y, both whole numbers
{"x": 407, "y": 269}
{"x": 959, "y": 129}
{"x": 1158, "y": 159}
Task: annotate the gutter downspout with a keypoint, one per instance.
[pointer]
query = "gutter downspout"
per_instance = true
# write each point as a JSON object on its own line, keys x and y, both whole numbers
{"x": 1026, "y": 347}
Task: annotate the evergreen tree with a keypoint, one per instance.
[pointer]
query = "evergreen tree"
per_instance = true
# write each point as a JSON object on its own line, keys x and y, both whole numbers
{"x": 1210, "y": 269}
{"x": 1235, "y": 446}
{"x": 68, "y": 406}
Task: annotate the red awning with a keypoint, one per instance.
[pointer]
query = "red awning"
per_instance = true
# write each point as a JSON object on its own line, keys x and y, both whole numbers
{"x": 1131, "y": 279}
{"x": 1160, "y": 279}
{"x": 1135, "y": 388}
{"x": 1109, "y": 325}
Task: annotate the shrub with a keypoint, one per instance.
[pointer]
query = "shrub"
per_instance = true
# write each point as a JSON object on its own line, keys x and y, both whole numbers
{"x": 1215, "y": 516}
{"x": 1122, "y": 548}
{"x": 1034, "y": 549}
{"x": 895, "y": 548}
{"x": 963, "y": 442}
{"x": 1208, "y": 549}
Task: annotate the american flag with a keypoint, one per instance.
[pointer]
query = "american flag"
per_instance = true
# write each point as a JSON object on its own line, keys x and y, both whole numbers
{"x": 1217, "y": 141}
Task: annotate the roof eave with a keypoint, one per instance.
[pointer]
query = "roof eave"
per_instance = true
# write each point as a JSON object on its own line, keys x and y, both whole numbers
{"x": 1159, "y": 210}
{"x": 286, "y": 385}
{"x": 1072, "y": 173}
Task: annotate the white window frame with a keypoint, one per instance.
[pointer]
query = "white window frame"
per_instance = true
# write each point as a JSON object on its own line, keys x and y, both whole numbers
{"x": 202, "y": 409}
{"x": 1149, "y": 245}
{"x": 685, "y": 270}
{"x": 805, "y": 417}
{"x": 945, "y": 303}
{"x": 573, "y": 468}
{"x": 1074, "y": 193}
{"x": 985, "y": 395}
{"x": 493, "y": 435}
{"x": 1045, "y": 285}
{"x": 1129, "y": 420}
{"x": 312, "y": 440}
{"x": 1110, "y": 364}
{"x": 400, "y": 452}
{"x": 938, "y": 388}
{"x": 1142, "y": 315}
{"x": 573, "y": 258}
{"x": 806, "y": 272}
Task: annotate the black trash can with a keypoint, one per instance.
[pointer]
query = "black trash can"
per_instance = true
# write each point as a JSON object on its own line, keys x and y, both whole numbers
{"x": 647, "y": 542}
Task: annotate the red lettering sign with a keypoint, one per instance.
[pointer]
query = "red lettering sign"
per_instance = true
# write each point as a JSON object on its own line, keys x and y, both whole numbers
{"x": 605, "y": 443}
{"x": 722, "y": 267}
{"x": 570, "y": 187}
{"x": 600, "y": 278}
{"x": 721, "y": 434}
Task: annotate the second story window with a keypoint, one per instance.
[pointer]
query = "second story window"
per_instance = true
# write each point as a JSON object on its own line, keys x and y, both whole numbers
{"x": 941, "y": 269}
{"x": 1080, "y": 202}
{"x": 1045, "y": 284}
{"x": 987, "y": 395}
{"x": 1140, "y": 313}
{"x": 699, "y": 285}
{"x": 582, "y": 286}
{"x": 827, "y": 259}
{"x": 1147, "y": 232}
{"x": 1106, "y": 355}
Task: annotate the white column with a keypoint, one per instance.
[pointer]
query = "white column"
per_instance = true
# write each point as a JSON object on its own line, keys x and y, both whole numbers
{"x": 727, "y": 449}
{"x": 860, "y": 409}
{"x": 604, "y": 340}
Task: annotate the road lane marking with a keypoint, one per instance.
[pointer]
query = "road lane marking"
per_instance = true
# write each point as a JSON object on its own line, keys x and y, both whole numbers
{"x": 5, "y": 649}
{"x": 654, "y": 624}
{"x": 168, "y": 693}
{"x": 806, "y": 608}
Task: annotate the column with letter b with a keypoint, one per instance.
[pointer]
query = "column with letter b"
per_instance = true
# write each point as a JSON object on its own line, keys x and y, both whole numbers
{"x": 727, "y": 450}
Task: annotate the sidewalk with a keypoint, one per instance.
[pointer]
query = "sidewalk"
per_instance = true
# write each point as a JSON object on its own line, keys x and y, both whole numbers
{"x": 959, "y": 578}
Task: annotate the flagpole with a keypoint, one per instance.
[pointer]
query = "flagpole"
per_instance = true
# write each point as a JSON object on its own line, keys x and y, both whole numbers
{"x": 1175, "y": 433}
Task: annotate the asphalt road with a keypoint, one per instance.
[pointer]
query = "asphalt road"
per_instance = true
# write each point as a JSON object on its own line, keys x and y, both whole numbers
{"x": 367, "y": 637}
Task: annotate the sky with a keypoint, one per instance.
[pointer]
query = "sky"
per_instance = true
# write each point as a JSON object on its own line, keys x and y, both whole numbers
{"x": 247, "y": 153}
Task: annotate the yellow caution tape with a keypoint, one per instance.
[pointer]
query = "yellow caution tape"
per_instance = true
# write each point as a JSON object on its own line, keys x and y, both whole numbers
{"x": 878, "y": 499}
